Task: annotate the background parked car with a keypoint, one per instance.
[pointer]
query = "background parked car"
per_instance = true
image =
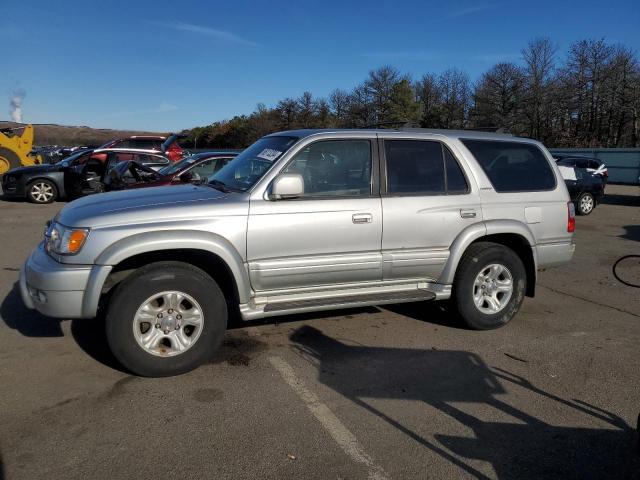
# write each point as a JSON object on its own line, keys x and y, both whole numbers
{"x": 80, "y": 174}
{"x": 591, "y": 165}
{"x": 585, "y": 188}
{"x": 192, "y": 169}
{"x": 153, "y": 144}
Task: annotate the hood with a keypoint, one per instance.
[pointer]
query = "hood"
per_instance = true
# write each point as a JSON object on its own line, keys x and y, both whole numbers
{"x": 138, "y": 206}
{"x": 34, "y": 169}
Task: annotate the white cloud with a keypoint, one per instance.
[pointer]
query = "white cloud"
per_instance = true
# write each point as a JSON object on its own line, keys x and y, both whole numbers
{"x": 470, "y": 10}
{"x": 166, "y": 107}
{"x": 221, "y": 35}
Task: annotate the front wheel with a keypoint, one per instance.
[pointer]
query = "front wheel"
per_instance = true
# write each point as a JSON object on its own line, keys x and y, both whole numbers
{"x": 165, "y": 319}
{"x": 42, "y": 191}
{"x": 586, "y": 203}
{"x": 489, "y": 286}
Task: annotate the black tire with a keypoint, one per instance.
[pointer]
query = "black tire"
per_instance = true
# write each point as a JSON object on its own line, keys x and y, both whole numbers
{"x": 477, "y": 257}
{"x": 144, "y": 283}
{"x": 40, "y": 183}
{"x": 8, "y": 160}
{"x": 583, "y": 202}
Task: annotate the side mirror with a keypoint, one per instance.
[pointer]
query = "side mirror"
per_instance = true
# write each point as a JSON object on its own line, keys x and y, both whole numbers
{"x": 287, "y": 185}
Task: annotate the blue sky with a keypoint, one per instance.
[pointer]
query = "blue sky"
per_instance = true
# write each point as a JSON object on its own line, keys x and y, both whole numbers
{"x": 161, "y": 66}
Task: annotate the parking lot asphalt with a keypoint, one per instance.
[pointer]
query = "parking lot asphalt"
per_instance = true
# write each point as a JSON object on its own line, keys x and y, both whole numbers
{"x": 370, "y": 393}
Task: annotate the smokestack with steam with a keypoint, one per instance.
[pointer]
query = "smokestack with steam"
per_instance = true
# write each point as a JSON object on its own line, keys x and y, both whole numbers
{"x": 16, "y": 104}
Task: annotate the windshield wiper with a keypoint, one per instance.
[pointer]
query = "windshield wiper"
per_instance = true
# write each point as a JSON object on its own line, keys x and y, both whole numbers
{"x": 223, "y": 187}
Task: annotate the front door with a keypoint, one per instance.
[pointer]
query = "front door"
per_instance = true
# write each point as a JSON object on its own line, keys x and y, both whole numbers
{"x": 427, "y": 201}
{"x": 331, "y": 234}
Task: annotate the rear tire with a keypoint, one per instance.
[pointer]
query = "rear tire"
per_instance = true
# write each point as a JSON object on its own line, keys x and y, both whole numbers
{"x": 585, "y": 204}
{"x": 489, "y": 286}
{"x": 149, "y": 335}
{"x": 42, "y": 191}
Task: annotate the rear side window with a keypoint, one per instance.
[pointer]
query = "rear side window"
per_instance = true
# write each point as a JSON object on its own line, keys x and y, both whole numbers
{"x": 422, "y": 167}
{"x": 593, "y": 164}
{"x": 513, "y": 166}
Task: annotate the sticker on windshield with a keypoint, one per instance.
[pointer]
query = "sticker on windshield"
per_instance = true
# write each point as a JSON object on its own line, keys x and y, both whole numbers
{"x": 269, "y": 154}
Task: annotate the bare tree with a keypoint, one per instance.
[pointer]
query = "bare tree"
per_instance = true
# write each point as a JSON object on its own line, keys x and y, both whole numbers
{"x": 498, "y": 98}
{"x": 429, "y": 98}
{"x": 456, "y": 96}
{"x": 538, "y": 58}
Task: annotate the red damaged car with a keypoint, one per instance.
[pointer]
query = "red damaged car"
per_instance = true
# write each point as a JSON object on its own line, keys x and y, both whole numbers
{"x": 192, "y": 169}
{"x": 152, "y": 144}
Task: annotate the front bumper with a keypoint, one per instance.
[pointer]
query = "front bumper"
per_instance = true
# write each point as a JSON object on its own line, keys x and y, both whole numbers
{"x": 15, "y": 189}
{"x": 60, "y": 290}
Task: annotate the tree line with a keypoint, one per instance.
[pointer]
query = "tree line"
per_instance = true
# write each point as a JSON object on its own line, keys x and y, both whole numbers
{"x": 589, "y": 98}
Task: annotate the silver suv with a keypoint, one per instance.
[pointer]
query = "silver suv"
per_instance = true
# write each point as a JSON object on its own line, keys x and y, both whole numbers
{"x": 305, "y": 221}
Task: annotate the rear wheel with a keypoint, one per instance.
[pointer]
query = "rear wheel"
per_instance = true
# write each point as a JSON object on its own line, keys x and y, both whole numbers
{"x": 42, "y": 191}
{"x": 489, "y": 286}
{"x": 166, "y": 319}
{"x": 585, "y": 204}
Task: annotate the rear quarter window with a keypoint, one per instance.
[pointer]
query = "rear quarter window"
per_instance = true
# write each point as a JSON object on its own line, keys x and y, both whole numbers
{"x": 513, "y": 166}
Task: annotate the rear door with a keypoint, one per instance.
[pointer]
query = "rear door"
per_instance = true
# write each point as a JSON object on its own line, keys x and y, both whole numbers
{"x": 427, "y": 200}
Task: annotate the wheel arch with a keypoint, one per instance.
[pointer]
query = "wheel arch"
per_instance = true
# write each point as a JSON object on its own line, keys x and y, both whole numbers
{"x": 209, "y": 252}
{"x": 511, "y": 233}
{"x": 56, "y": 182}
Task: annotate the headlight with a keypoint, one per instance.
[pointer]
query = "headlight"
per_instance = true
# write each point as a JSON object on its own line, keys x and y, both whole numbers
{"x": 64, "y": 240}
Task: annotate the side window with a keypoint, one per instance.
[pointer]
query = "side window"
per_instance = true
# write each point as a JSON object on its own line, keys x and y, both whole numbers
{"x": 334, "y": 168}
{"x": 456, "y": 181}
{"x": 513, "y": 166}
{"x": 593, "y": 164}
{"x": 582, "y": 163}
{"x": 414, "y": 166}
{"x": 567, "y": 162}
{"x": 205, "y": 168}
{"x": 221, "y": 163}
{"x": 123, "y": 157}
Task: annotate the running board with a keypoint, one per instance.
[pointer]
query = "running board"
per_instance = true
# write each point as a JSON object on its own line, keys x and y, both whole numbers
{"x": 282, "y": 307}
{"x": 372, "y": 299}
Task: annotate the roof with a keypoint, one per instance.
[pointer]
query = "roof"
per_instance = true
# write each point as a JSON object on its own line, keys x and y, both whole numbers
{"x": 302, "y": 133}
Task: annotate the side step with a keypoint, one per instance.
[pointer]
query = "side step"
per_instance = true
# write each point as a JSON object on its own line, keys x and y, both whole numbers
{"x": 418, "y": 295}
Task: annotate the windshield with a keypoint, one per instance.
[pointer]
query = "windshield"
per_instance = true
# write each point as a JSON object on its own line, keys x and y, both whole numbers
{"x": 246, "y": 169}
{"x": 178, "y": 166}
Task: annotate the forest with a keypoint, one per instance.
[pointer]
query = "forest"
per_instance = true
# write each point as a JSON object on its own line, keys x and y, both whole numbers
{"x": 587, "y": 97}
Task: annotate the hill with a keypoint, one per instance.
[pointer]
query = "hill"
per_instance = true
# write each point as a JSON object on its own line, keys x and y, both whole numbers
{"x": 52, "y": 134}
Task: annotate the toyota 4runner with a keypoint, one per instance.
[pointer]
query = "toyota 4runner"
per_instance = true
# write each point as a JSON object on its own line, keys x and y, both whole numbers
{"x": 305, "y": 221}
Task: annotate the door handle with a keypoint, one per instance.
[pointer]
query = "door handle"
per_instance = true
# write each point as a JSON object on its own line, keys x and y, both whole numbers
{"x": 467, "y": 213}
{"x": 362, "y": 218}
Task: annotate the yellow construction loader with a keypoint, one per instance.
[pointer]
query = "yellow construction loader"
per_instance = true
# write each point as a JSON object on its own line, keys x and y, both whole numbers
{"x": 15, "y": 148}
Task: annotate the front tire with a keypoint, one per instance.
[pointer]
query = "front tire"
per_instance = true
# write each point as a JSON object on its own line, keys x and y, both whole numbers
{"x": 42, "y": 191}
{"x": 165, "y": 319}
{"x": 585, "y": 204}
{"x": 489, "y": 286}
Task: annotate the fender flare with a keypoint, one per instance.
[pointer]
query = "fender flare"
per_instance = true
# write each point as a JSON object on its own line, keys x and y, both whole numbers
{"x": 477, "y": 231}
{"x": 180, "y": 239}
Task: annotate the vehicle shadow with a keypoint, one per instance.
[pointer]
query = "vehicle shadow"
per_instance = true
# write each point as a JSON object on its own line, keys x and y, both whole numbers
{"x": 88, "y": 334}
{"x": 623, "y": 200}
{"x": 522, "y": 447}
{"x": 631, "y": 232}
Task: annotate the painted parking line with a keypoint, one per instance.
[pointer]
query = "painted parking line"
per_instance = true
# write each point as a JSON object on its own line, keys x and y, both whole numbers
{"x": 332, "y": 424}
